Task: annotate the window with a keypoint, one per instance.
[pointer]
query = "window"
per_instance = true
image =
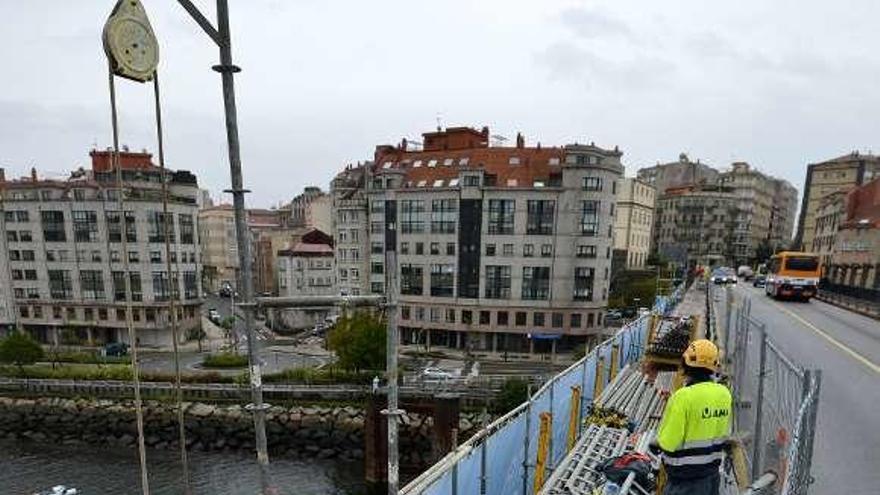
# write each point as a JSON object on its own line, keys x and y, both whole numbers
{"x": 56, "y": 312}
{"x": 497, "y": 282}
{"x": 589, "y": 218}
{"x": 377, "y": 268}
{"x": 376, "y": 287}
{"x": 586, "y": 251}
{"x": 444, "y": 215}
{"x": 592, "y": 184}
{"x": 583, "y": 283}
{"x": 53, "y": 226}
{"x": 187, "y": 231}
{"x": 411, "y": 279}
{"x": 377, "y": 248}
{"x": 484, "y": 317}
{"x": 92, "y": 284}
{"x": 501, "y": 216}
{"x": 434, "y": 314}
{"x": 507, "y": 249}
{"x": 11, "y": 236}
{"x": 404, "y": 248}
{"x": 30, "y": 274}
{"x": 442, "y": 280}
{"x": 27, "y": 255}
{"x": 96, "y": 256}
{"x": 514, "y": 160}
{"x": 190, "y": 285}
{"x": 156, "y": 223}
{"x": 420, "y": 248}
{"x": 60, "y": 284}
{"x": 114, "y": 256}
{"x": 490, "y": 249}
{"x": 354, "y": 273}
{"x": 471, "y": 180}
{"x": 404, "y": 312}
{"x": 528, "y": 250}
{"x": 17, "y": 275}
{"x": 575, "y": 320}
{"x": 435, "y": 248}
{"x": 450, "y": 249}
{"x": 540, "y": 217}
{"x": 538, "y": 319}
{"x": 161, "y": 286}
{"x": 24, "y": 312}
{"x": 25, "y": 236}
{"x": 536, "y": 282}
{"x": 502, "y": 318}
{"x": 155, "y": 256}
{"x": 412, "y": 216}
{"x": 556, "y": 320}
{"x": 546, "y": 250}
{"x": 450, "y": 316}
{"x": 20, "y": 216}
{"x": 467, "y": 316}
{"x": 85, "y": 226}
{"x": 134, "y": 257}
{"x": 520, "y": 318}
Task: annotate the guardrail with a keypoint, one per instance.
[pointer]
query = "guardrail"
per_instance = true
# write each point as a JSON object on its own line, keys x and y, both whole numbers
{"x": 503, "y": 457}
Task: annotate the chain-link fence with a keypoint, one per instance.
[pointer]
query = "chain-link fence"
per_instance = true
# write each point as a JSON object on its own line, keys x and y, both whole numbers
{"x": 776, "y": 403}
{"x": 503, "y": 458}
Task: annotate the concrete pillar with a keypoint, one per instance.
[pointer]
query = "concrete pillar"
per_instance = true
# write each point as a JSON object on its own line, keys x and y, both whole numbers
{"x": 376, "y": 443}
{"x": 553, "y": 351}
{"x": 90, "y": 336}
{"x": 458, "y": 340}
{"x": 531, "y": 346}
{"x": 494, "y": 342}
{"x": 56, "y": 340}
{"x": 446, "y": 414}
{"x": 428, "y": 339}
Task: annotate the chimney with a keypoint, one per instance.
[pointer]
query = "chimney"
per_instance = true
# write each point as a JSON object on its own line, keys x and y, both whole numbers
{"x": 520, "y": 140}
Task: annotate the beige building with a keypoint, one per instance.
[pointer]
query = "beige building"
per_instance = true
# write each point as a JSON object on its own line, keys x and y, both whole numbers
{"x": 306, "y": 268}
{"x": 695, "y": 225}
{"x": 855, "y": 263}
{"x": 64, "y": 258}
{"x": 634, "y": 220}
{"x": 683, "y": 172}
{"x": 785, "y": 203}
{"x": 218, "y": 246}
{"x": 504, "y": 249}
{"x": 309, "y": 210}
{"x": 829, "y": 215}
{"x": 839, "y": 174}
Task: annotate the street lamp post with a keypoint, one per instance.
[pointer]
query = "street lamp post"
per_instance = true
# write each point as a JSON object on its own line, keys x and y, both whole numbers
{"x": 221, "y": 36}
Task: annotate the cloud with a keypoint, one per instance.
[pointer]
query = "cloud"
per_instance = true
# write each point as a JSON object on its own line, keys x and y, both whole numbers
{"x": 571, "y": 62}
{"x": 591, "y": 24}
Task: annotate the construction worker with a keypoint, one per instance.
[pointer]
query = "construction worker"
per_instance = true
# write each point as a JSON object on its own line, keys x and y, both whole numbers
{"x": 695, "y": 426}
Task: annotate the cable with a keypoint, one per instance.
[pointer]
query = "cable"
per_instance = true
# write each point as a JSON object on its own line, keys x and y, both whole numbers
{"x": 172, "y": 307}
{"x": 129, "y": 322}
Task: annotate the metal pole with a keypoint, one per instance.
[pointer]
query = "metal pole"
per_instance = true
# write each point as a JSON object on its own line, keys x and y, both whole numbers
{"x": 227, "y": 71}
{"x": 525, "y": 464}
{"x": 168, "y": 224}
{"x": 391, "y": 370}
{"x": 759, "y": 409}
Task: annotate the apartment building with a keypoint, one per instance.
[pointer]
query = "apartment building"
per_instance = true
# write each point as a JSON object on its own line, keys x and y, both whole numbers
{"x": 829, "y": 216}
{"x": 839, "y": 174}
{"x": 855, "y": 263}
{"x": 633, "y": 221}
{"x": 695, "y": 225}
{"x": 782, "y": 217}
{"x": 677, "y": 174}
{"x": 64, "y": 257}
{"x": 310, "y": 209}
{"x": 504, "y": 249}
{"x": 218, "y": 246}
{"x": 306, "y": 268}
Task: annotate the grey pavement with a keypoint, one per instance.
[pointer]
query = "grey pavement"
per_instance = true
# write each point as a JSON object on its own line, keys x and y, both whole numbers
{"x": 846, "y": 347}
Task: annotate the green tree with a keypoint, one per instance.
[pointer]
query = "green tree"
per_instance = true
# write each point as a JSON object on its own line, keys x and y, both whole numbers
{"x": 20, "y": 349}
{"x": 359, "y": 342}
{"x": 514, "y": 392}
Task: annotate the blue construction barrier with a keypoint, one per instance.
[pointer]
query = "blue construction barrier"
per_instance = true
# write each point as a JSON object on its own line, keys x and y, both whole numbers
{"x": 502, "y": 456}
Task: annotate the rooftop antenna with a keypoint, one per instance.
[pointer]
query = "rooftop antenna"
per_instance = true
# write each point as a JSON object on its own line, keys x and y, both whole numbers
{"x": 439, "y": 119}
{"x": 498, "y": 140}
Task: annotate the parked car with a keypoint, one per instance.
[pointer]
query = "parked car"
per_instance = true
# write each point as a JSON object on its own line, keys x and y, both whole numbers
{"x": 760, "y": 281}
{"x": 435, "y": 375}
{"x": 225, "y": 289}
{"x": 613, "y": 315}
{"x": 214, "y": 316}
{"x": 116, "y": 349}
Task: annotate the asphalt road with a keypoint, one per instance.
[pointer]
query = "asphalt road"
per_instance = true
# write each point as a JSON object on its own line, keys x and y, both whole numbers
{"x": 846, "y": 347}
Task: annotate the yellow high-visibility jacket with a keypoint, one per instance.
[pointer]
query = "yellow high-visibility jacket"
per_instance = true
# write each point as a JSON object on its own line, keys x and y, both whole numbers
{"x": 695, "y": 429}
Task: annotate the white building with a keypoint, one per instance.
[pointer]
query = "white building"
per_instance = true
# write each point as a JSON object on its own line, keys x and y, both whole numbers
{"x": 634, "y": 220}
{"x": 306, "y": 269}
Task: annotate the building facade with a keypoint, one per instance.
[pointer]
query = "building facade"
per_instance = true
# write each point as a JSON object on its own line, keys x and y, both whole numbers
{"x": 829, "y": 216}
{"x": 839, "y": 174}
{"x": 504, "y": 249}
{"x": 65, "y": 261}
{"x": 306, "y": 268}
{"x": 782, "y": 217}
{"x": 633, "y": 221}
{"x": 855, "y": 263}
{"x": 695, "y": 225}
{"x": 683, "y": 172}
{"x": 219, "y": 247}
{"x": 309, "y": 210}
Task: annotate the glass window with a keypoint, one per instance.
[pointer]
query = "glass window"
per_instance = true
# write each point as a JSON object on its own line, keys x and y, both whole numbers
{"x": 583, "y": 283}
{"x": 556, "y": 320}
{"x": 484, "y": 317}
{"x": 444, "y": 215}
{"x": 442, "y": 280}
{"x": 114, "y": 230}
{"x": 450, "y": 249}
{"x": 589, "y": 218}
{"x": 536, "y": 283}
{"x": 528, "y": 250}
{"x": 450, "y": 316}
{"x": 92, "y": 284}
{"x": 546, "y": 250}
{"x": 53, "y": 226}
{"x": 540, "y": 217}
{"x": 411, "y": 279}
{"x": 501, "y": 216}
{"x": 592, "y": 184}
{"x": 60, "y": 284}
{"x": 538, "y": 319}
{"x": 586, "y": 251}
{"x": 190, "y": 285}
{"x": 377, "y": 248}
{"x": 85, "y": 226}
{"x": 187, "y": 230}
{"x": 502, "y": 318}
{"x": 412, "y": 216}
{"x": 435, "y": 248}
{"x": 575, "y": 320}
{"x": 420, "y": 248}
{"x": 497, "y": 282}
{"x": 404, "y": 248}
{"x": 507, "y": 249}
{"x": 161, "y": 286}
{"x": 520, "y": 318}
{"x": 156, "y": 224}
{"x": 490, "y": 249}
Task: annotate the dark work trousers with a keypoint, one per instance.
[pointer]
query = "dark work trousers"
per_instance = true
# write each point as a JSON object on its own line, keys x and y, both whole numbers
{"x": 697, "y": 486}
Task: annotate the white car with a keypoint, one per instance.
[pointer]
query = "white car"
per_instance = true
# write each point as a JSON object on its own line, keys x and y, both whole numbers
{"x": 435, "y": 375}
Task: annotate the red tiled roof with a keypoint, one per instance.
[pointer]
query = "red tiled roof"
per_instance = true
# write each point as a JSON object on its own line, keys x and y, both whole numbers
{"x": 102, "y": 161}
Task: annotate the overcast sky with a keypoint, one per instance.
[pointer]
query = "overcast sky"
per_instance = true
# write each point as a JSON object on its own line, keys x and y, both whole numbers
{"x": 776, "y": 83}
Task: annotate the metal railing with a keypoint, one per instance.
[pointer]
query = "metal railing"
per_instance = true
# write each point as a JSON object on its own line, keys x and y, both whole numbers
{"x": 502, "y": 458}
{"x": 776, "y": 402}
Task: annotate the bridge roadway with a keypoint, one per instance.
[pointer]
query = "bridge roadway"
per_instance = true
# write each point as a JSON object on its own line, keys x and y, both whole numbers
{"x": 846, "y": 347}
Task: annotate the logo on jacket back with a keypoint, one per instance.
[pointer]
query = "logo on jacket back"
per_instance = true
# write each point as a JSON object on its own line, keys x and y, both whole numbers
{"x": 715, "y": 413}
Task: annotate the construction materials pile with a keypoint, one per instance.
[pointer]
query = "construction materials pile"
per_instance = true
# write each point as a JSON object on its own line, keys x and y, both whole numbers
{"x": 671, "y": 338}
{"x": 633, "y": 399}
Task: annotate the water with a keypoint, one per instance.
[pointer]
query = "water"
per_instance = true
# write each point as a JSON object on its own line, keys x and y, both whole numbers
{"x": 26, "y": 467}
